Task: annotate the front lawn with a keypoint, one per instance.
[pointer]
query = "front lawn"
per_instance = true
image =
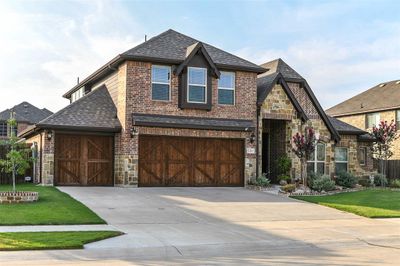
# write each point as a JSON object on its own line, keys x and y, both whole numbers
{"x": 372, "y": 203}
{"x": 51, "y": 240}
{"x": 53, "y": 208}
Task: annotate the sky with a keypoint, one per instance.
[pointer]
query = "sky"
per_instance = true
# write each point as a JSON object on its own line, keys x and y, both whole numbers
{"x": 341, "y": 47}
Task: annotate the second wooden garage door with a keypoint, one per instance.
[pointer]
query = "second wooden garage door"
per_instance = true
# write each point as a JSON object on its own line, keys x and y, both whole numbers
{"x": 83, "y": 160}
{"x": 178, "y": 161}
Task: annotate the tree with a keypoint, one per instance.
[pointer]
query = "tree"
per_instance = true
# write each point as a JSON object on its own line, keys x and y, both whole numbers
{"x": 303, "y": 146}
{"x": 384, "y": 134}
{"x": 17, "y": 159}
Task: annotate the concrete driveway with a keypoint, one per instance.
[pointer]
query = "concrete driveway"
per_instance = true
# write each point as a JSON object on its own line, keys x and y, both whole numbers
{"x": 229, "y": 225}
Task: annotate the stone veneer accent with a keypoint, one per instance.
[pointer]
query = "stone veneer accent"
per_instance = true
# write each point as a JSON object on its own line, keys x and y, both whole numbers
{"x": 278, "y": 106}
{"x": 358, "y": 120}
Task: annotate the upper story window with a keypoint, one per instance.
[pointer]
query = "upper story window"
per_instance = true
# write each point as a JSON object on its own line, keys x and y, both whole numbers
{"x": 316, "y": 164}
{"x": 372, "y": 119}
{"x": 160, "y": 83}
{"x": 341, "y": 161}
{"x": 78, "y": 94}
{"x": 197, "y": 85}
{"x": 226, "y": 88}
{"x": 3, "y": 129}
{"x": 398, "y": 119}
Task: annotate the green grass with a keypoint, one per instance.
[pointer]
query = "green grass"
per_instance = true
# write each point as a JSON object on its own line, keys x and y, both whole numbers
{"x": 51, "y": 240}
{"x": 372, "y": 203}
{"x": 53, "y": 207}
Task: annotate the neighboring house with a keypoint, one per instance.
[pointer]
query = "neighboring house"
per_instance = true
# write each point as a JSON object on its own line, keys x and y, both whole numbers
{"x": 25, "y": 113}
{"x": 379, "y": 103}
{"x": 174, "y": 111}
{"x": 287, "y": 106}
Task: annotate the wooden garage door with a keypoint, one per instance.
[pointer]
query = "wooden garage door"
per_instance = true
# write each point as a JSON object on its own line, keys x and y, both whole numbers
{"x": 84, "y": 160}
{"x": 178, "y": 161}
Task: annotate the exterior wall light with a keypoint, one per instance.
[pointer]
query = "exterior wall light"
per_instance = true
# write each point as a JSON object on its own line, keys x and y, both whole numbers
{"x": 49, "y": 135}
{"x": 252, "y": 137}
{"x": 134, "y": 132}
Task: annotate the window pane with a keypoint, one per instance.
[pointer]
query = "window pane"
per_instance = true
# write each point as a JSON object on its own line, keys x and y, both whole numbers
{"x": 321, "y": 152}
{"x": 341, "y": 154}
{"x": 160, "y": 92}
{"x": 197, "y": 76}
{"x": 340, "y": 167}
{"x": 310, "y": 168}
{"x": 160, "y": 74}
{"x": 226, "y": 80}
{"x": 362, "y": 155}
{"x": 373, "y": 120}
{"x": 197, "y": 94}
{"x": 320, "y": 168}
{"x": 225, "y": 96}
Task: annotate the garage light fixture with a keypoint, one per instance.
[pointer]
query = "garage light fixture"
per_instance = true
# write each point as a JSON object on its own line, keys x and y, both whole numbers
{"x": 49, "y": 135}
{"x": 134, "y": 132}
{"x": 252, "y": 137}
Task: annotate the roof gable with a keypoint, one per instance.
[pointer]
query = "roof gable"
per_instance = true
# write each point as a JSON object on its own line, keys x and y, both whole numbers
{"x": 191, "y": 51}
{"x": 278, "y": 65}
{"x": 265, "y": 84}
{"x": 384, "y": 96}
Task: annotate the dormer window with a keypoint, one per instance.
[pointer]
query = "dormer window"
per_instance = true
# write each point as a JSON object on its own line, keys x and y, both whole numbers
{"x": 78, "y": 94}
{"x": 197, "y": 85}
{"x": 160, "y": 83}
{"x": 226, "y": 88}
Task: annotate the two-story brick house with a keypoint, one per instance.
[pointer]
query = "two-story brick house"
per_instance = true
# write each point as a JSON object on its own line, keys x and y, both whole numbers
{"x": 379, "y": 103}
{"x": 174, "y": 111}
{"x": 25, "y": 114}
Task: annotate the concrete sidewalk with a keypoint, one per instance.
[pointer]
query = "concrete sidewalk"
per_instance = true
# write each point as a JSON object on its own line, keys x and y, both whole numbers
{"x": 57, "y": 228}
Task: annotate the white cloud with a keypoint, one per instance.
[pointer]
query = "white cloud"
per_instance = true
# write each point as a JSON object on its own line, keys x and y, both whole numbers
{"x": 43, "y": 53}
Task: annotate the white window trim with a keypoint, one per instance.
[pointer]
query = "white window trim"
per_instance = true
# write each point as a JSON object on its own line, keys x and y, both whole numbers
{"x": 365, "y": 155}
{"x": 163, "y": 83}
{"x": 194, "y": 84}
{"x": 230, "y": 89}
{"x": 377, "y": 119}
{"x": 346, "y": 162}
{"x": 315, "y": 159}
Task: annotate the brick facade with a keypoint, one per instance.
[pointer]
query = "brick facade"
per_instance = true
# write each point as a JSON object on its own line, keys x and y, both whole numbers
{"x": 358, "y": 120}
{"x": 134, "y": 96}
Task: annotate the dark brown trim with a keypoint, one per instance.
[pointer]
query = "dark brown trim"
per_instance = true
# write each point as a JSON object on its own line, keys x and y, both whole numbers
{"x": 79, "y": 128}
{"x": 169, "y": 124}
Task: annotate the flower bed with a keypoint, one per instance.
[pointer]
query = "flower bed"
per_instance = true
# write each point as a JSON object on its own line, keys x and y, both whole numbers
{"x": 9, "y": 197}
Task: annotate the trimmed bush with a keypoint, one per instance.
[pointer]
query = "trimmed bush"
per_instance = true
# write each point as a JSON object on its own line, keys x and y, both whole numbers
{"x": 365, "y": 182}
{"x": 395, "y": 183}
{"x": 346, "y": 179}
{"x": 261, "y": 181}
{"x": 380, "y": 180}
{"x": 323, "y": 183}
{"x": 289, "y": 188}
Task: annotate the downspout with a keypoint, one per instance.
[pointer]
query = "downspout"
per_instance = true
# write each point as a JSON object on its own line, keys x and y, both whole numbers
{"x": 41, "y": 158}
{"x": 257, "y": 142}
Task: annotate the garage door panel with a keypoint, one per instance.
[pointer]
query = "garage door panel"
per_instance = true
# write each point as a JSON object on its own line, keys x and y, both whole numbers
{"x": 84, "y": 160}
{"x": 184, "y": 161}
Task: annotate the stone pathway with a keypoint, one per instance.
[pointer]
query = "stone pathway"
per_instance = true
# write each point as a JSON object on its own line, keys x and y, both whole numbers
{"x": 57, "y": 228}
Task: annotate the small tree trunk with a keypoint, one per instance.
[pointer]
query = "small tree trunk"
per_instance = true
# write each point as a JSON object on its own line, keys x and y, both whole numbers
{"x": 13, "y": 177}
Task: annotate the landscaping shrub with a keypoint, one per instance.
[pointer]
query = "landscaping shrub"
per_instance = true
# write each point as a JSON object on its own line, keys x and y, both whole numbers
{"x": 289, "y": 188}
{"x": 395, "y": 183}
{"x": 284, "y": 163}
{"x": 365, "y": 182}
{"x": 380, "y": 180}
{"x": 261, "y": 181}
{"x": 284, "y": 178}
{"x": 323, "y": 183}
{"x": 311, "y": 177}
{"x": 346, "y": 179}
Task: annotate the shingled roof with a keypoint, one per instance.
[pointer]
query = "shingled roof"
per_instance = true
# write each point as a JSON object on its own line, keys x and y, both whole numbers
{"x": 278, "y": 65}
{"x": 344, "y": 128}
{"x": 384, "y": 96}
{"x": 25, "y": 112}
{"x": 94, "y": 112}
{"x": 170, "y": 47}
